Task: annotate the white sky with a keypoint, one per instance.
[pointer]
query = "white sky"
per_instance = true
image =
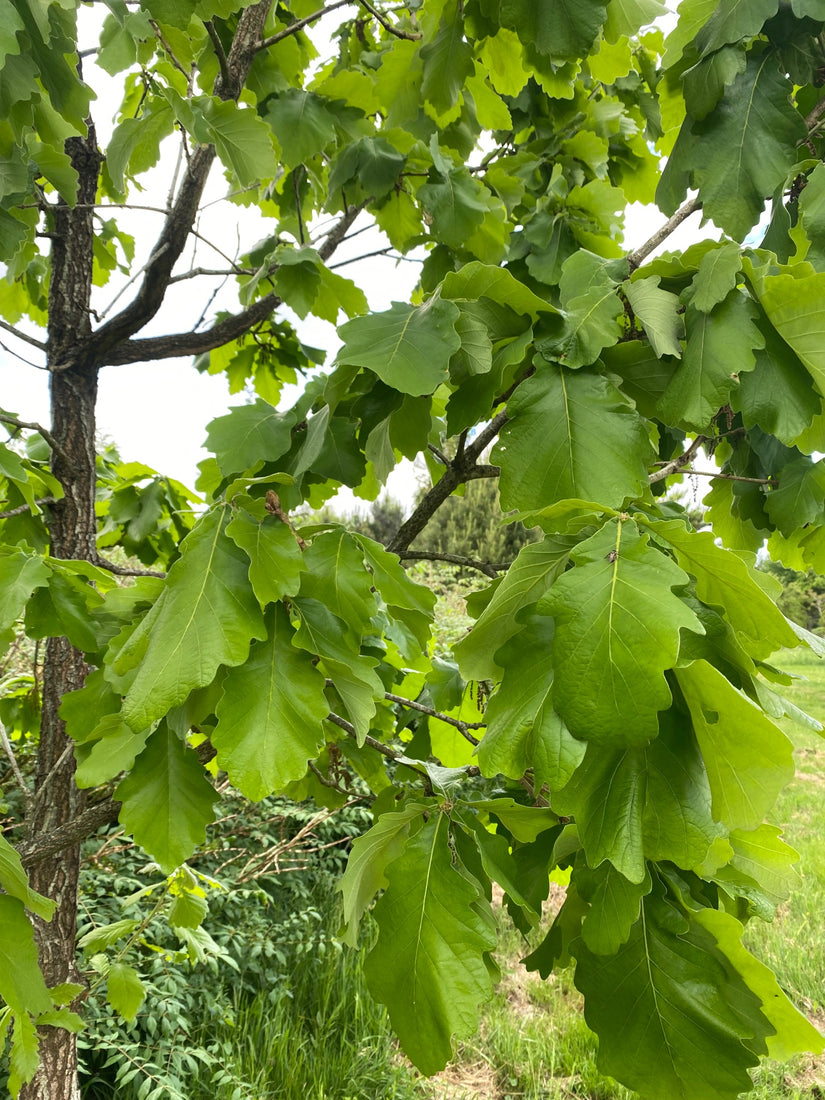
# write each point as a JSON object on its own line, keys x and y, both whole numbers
{"x": 157, "y": 413}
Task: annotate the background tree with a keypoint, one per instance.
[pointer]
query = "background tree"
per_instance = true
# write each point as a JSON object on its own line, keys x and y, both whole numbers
{"x": 628, "y": 735}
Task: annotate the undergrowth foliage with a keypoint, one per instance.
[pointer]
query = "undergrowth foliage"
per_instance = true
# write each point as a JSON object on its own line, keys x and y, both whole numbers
{"x": 612, "y": 710}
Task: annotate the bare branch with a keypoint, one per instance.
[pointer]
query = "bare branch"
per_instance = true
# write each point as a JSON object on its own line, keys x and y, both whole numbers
{"x": 230, "y": 328}
{"x": 23, "y": 336}
{"x": 679, "y": 463}
{"x": 410, "y": 36}
{"x": 220, "y": 53}
{"x": 299, "y": 25}
{"x": 125, "y": 571}
{"x": 643, "y": 251}
{"x": 462, "y": 727}
{"x": 21, "y": 508}
{"x": 733, "y": 477}
{"x": 196, "y": 272}
{"x": 812, "y": 119}
{"x": 490, "y": 569}
{"x": 181, "y": 217}
{"x": 22, "y": 358}
{"x": 47, "y": 435}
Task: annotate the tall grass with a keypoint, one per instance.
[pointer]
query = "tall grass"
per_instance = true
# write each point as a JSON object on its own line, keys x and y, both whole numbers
{"x": 316, "y": 1036}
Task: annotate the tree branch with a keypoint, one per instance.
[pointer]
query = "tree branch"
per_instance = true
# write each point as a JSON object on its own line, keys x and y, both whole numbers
{"x": 124, "y": 571}
{"x": 220, "y": 53}
{"x": 47, "y": 435}
{"x": 462, "y": 727}
{"x": 410, "y": 36}
{"x": 463, "y": 468}
{"x": 683, "y": 460}
{"x": 299, "y": 25}
{"x": 230, "y": 328}
{"x": 23, "y": 336}
{"x": 21, "y": 508}
{"x": 181, "y": 218}
{"x": 486, "y": 567}
{"x": 640, "y": 254}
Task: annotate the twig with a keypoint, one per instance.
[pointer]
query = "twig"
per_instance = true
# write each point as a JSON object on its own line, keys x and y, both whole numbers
{"x": 23, "y": 336}
{"x": 195, "y": 272}
{"x": 676, "y": 464}
{"x": 325, "y": 781}
{"x": 47, "y": 435}
{"x": 299, "y": 25}
{"x": 28, "y": 797}
{"x": 169, "y": 51}
{"x": 463, "y": 727}
{"x": 490, "y": 569}
{"x": 410, "y": 36}
{"x": 349, "y": 728}
{"x": 442, "y": 458}
{"x": 22, "y": 358}
{"x": 220, "y": 53}
{"x": 733, "y": 477}
{"x": 643, "y": 251}
{"x": 124, "y": 571}
{"x": 21, "y": 508}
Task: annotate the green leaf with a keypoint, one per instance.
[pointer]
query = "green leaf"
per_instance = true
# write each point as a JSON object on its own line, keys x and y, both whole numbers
{"x": 248, "y": 436}
{"x": 428, "y": 965}
{"x": 21, "y": 572}
{"x": 302, "y": 122}
{"x": 570, "y": 435}
{"x": 723, "y": 580}
{"x": 778, "y": 395}
{"x": 716, "y": 276}
{"x": 794, "y": 307}
{"x": 656, "y": 309}
{"x": 240, "y": 136}
{"x": 525, "y": 582}
{"x": 24, "y": 1060}
{"x": 615, "y": 905}
{"x": 457, "y": 203}
{"x": 636, "y": 804}
{"x": 336, "y": 576}
{"x": 271, "y": 713}
{"x": 561, "y": 29}
{"x": 105, "y": 936}
{"x": 733, "y": 20}
{"x": 408, "y": 347}
{"x": 749, "y": 760}
{"x": 109, "y": 749}
{"x": 275, "y": 559}
{"x": 448, "y": 61}
{"x": 617, "y": 632}
{"x": 206, "y": 616}
{"x": 125, "y": 991}
{"x": 352, "y": 674}
{"x": 744, "y": 149}
{"x": 523, "y": 729}
{"x": 15, "y": 883}
{"x": 477, "y": 280}
{"x": 167, "y": 800}
{"x": 673, "y": 1017}
{"x": 719, "y": 346}
{"x": 592, "y": 309}
{"x": 799, "y": 499}
{"x": 793, "y": 1034}
{"x": 21, "y": 984}
{"x": 760, "y": 869}
{"x": 626, "y": 17}
{"x": 367, "y": 864}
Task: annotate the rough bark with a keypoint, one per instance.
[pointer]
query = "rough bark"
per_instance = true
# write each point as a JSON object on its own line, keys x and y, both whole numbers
{"x": 72, "y": 534}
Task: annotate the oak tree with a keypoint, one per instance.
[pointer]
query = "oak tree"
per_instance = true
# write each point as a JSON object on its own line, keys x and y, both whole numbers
{"x": 629, "y": 733}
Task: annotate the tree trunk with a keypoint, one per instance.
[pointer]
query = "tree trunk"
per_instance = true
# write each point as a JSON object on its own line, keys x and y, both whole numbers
{"x": 72, "y": 535}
